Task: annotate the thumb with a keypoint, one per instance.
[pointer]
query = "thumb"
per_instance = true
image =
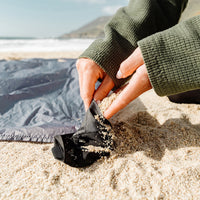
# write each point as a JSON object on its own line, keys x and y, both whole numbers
{"x": 129, "y": 65}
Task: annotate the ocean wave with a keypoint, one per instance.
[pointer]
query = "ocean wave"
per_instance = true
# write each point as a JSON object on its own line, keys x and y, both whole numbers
{"x": 43, "y": 45}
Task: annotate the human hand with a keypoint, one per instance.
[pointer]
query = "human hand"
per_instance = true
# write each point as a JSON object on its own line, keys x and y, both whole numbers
{"x": 89, "y": 72}
{"x": 138, "y": 84}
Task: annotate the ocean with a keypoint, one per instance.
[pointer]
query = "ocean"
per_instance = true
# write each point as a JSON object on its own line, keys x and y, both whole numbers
{"x": 43, "y": 45}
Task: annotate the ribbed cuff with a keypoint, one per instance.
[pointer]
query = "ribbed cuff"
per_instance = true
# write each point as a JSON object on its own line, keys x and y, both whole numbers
{"x": 172, "y": 58}
{"x": 151, "y": 59}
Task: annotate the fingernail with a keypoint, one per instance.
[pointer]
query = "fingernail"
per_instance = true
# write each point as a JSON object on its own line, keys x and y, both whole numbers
{"x": 98, "y": 101}
{"x": 119, "y": 74}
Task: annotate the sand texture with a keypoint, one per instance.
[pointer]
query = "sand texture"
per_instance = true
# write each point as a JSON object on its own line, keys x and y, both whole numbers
{"x": 156, "y": 156}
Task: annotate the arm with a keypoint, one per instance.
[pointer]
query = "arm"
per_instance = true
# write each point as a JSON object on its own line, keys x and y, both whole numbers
{"x": 130, "y": 24}
{"x": 172, "y": 58}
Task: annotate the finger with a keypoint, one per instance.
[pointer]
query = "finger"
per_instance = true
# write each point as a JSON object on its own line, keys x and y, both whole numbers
{"x": 88, "y": 72}
{"x": 83, "y": 96}
{"x": 83, "y": 92}
{"x": 80, "y": 81}
{"x": 87, "y": 89}
{"x": 79, "y": 73}
{"x": 138, "y": 84}
{"x": 128, "y": 66}
{"x": 105, "y": 87}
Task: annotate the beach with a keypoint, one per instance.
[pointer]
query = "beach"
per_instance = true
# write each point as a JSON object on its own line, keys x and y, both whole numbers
{"x": 157, "y": 156}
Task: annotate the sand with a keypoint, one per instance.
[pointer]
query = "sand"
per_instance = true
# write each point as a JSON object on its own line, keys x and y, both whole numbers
{"x": 26, "y": 55}
{"x": 156, "y": 156}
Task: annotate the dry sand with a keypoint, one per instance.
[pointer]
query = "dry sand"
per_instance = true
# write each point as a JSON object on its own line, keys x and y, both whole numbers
{"x": 157, "y": 156}
{"x": 24, "y": 55}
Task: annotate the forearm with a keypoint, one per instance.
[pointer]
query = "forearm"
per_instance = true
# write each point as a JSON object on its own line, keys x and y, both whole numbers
{"x": 130, "y": 24}
{"x": 172, "y": 58}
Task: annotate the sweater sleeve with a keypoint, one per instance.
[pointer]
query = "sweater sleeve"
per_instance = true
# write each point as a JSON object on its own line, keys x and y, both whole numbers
{"x": 130, "y": 24}
{"x": 172, "y": 58}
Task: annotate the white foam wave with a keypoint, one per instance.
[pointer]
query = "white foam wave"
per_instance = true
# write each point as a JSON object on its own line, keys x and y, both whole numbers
{"x": 44, "y": 45}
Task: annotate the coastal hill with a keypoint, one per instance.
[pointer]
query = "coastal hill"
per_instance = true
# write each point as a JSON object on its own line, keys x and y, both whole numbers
{"x": 95, "y": 28}
{"x": 91, "y": 30}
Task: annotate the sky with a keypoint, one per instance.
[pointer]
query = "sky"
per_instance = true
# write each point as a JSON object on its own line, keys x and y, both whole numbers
{"x": 51, "y": 18}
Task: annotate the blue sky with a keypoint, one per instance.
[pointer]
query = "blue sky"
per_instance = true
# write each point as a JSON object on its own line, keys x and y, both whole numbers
{"x": 51, "y": 18}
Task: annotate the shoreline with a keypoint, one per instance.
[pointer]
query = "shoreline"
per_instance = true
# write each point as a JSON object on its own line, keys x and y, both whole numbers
{"x": 45, "y": 55}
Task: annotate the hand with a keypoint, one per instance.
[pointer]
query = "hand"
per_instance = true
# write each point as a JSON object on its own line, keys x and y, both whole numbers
{"x": 138, "y": 84}
{"x": 89, "y": 72}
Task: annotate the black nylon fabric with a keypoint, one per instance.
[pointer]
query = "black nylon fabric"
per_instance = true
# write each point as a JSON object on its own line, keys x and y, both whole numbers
{"x": 39, "y": 98}
{"x": 192, "y": 96}
{"x": 72, "y": 148}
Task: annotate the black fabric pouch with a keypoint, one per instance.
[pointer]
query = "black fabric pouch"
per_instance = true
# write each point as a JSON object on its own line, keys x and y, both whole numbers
{"x": 92, "y": 141}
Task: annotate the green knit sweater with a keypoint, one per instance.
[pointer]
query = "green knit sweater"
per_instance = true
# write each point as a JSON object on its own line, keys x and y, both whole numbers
{"x": 171, "y": 52}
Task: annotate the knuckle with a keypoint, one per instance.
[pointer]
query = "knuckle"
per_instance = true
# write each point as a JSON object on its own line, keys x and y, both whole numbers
{"x": 81, "y": 63}
{"x": 89, "y": 68}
